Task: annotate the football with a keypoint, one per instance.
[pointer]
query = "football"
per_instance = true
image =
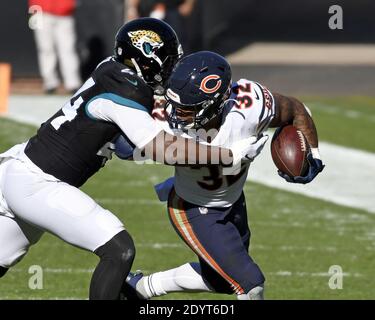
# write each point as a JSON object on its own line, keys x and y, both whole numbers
{"x": 289, "y": 150}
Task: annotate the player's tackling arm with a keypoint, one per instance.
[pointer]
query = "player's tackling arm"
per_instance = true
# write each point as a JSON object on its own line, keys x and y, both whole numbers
{"x": 144, "y": 133}
{"x": 176, "y": 150}
{"x": 291, "y": 111}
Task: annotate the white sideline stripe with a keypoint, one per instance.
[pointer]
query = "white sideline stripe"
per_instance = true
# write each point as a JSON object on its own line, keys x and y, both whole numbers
{"x": 348, "y": 178}
{"x": 42, "y": 107}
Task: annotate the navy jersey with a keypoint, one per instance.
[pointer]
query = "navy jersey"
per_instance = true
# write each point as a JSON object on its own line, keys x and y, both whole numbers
{"x": 77, "y": 141}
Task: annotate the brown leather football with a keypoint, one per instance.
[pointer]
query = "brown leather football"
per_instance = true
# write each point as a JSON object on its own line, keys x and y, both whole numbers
{"x": 289, "y": 150}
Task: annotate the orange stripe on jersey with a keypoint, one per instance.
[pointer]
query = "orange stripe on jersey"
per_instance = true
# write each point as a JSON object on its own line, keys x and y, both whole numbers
{"x": 182, "y": 224}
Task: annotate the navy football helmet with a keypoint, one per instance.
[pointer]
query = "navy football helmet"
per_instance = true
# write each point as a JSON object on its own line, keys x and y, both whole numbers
{"x": 150, "y": 46}
{"x": 197, "y": 90}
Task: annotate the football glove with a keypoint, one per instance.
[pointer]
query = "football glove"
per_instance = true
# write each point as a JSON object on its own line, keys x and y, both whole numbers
{"x": 247, "y": 150}
{"x": 124, "y": 148}
{"x": 253, "y": 150}
{"x": 315, "y": 166}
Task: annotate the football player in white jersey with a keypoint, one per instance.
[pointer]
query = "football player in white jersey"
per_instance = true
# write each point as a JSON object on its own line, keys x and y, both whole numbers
{"x": 206, "y": 206}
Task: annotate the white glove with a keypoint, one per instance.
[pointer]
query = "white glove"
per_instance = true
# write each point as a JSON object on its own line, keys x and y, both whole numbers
{"x": 253, "y": 150}
{"x": 246, "y": 149}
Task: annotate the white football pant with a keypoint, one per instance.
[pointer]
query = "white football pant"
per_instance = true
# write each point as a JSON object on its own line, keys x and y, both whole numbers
{"x": 40, "y": 205}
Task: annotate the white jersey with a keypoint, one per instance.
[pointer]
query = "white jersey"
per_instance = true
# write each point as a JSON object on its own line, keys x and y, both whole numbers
{"x": 248, "y": 112}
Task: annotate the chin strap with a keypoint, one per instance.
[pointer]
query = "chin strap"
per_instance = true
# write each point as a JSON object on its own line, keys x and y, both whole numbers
{"x": 137, "y": 68}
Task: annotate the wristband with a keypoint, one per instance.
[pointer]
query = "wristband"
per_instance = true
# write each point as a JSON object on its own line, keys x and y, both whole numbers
{"x": 315, "y": 153}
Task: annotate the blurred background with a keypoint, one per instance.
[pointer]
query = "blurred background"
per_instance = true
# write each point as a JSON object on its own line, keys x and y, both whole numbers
{"x": 261, "y": 37}
{"x": 294, "y": 47}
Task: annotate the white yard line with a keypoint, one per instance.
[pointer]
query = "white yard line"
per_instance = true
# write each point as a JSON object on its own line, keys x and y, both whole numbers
{"x": 261, "y": 247}
{"x": 162, "y": 245}
{"x": 57, "y": 270}
{"x": 281, "y": 273}
{"x": 311, "y": 274}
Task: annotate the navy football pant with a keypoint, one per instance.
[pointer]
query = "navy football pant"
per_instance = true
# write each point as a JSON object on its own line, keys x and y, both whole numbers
{"x": 220, "y": 237}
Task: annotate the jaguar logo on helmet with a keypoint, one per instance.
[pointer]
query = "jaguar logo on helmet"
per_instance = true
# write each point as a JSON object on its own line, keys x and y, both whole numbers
{"x": 147, "y": 42}
{"x": 207, "y": 87}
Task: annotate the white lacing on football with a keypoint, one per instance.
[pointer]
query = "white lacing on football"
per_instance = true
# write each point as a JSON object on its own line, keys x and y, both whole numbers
{"x": 302, "y": 140}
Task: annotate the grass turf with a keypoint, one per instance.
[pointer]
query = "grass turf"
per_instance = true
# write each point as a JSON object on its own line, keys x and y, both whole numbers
{"x": 295, "y": 239}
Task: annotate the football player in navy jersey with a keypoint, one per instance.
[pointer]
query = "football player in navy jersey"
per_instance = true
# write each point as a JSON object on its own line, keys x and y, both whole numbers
{"x": 40, "y": 179}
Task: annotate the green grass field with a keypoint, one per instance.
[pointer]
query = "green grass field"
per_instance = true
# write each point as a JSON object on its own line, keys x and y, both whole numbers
{"x": 295, "y": 239}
